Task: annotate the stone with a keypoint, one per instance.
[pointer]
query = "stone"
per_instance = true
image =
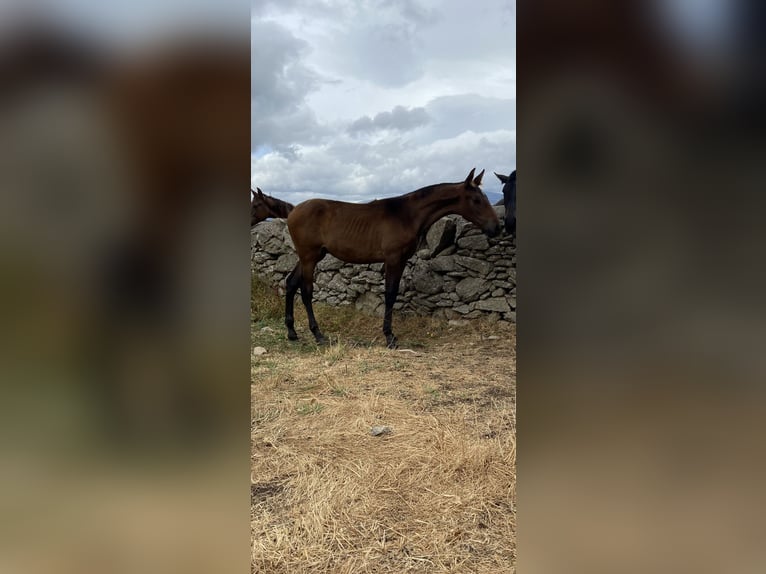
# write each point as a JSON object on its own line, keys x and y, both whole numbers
{"x": 258, "y": 351}
{"x": 268, "y": 229}
{"x": 330, "y": 263}
{"x": 470, "y": 288}
{"x": 273, "y": 246}
{"x": 441, "y": 235}
{"x": 463, "y": 309}
{"x": 337, "y": 284}
{"x": 442, "y": 264}
{"x": 426, "y": 282}
{"x": 370, "y": 303}
{"x": 380, "y": 430}
{"x": 477, "y": 265}
{"x": 286, "y": 263}
{"x": 497, "y": 304}
{"x": 474, "y": 242}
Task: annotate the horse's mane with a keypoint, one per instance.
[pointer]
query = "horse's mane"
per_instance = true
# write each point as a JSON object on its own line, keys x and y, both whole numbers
{"x": 418, "y": 193}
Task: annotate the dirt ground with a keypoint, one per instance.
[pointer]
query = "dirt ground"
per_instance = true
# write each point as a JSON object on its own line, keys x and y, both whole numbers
{"x": 434, "y": 493}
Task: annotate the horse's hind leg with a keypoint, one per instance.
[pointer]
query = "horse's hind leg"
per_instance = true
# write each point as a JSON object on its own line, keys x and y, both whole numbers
{"x": 393, "y": 277}
{"x": 307, "y": 294}
{"x": 292, "y": 283}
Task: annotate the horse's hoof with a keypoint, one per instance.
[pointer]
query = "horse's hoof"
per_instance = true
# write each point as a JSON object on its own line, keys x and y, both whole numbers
{"x": 393, "y": 343}
{"x": 321, "y": 341}
{"x": 292, "y": 336}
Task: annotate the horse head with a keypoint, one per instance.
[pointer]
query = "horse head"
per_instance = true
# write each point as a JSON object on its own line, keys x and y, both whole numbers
{"x": 475, "y": 206}
{"x": 259, "y": 208}
{"x": 509, "y": 200}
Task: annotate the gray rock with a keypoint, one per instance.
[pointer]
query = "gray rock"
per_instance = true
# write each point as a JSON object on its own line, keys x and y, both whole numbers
{"x": 370, "y": 303}
{"x": 470, "y": 288}
{"x": 423, "y": 254}
{"x": 477, "y": 265}
{"x": 475, "y": 242}
{"x": 497, "y": 304}
{"x": 337, "y": 284}
{"x": 268, "y": 229}
{"x": 273, "y": 246}
{"x": 330, "y": 263}
{"x": 426, "y": 282}
{"x": 380, "y": 430}
{"x": 442, "y": 264}
{"x": 441, "y": 235}
{"x": 285, "y": 263}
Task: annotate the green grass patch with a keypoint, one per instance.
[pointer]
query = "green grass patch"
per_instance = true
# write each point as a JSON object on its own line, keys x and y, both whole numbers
{"x": 309, "y": 408}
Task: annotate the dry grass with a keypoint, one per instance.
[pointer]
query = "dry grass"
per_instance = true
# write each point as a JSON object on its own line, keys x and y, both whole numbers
{"x": 437, "y": 494}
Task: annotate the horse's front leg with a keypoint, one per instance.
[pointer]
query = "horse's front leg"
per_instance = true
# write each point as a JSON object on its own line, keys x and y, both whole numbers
{"x": 393, "y": 277}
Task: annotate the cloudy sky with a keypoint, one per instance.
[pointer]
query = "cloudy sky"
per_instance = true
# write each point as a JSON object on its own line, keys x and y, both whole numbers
{"x": 363, "y": 99}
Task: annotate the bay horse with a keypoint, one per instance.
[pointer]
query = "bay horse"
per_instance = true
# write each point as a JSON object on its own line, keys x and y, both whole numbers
{"x": 385, "y": 230}
{"x": 264, "y": 206}
{"x": 509, "y": 200}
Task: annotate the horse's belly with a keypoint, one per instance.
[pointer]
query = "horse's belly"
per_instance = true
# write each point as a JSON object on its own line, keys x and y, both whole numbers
{"x": 351, "y": 254}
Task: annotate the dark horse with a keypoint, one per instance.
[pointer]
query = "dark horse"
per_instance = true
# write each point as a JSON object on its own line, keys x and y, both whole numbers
{"x": 509, "y": 200}
{"x": 264, "y": 206}
{"x": 385, "y": 230}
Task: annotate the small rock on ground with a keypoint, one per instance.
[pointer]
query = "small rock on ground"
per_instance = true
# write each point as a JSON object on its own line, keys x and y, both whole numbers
{"x": 259, "y": 351}
{"x": 380, "y": 430}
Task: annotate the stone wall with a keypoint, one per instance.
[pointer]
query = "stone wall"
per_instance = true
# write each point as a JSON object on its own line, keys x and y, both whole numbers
{"x": 457, "y": 272}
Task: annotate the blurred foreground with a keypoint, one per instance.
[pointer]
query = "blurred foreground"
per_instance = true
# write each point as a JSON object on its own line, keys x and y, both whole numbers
{"x": 124, "y": 146}
{"x": 642, "y": 319}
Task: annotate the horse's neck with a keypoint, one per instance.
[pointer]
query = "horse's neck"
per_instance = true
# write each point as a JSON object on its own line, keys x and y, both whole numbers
{"x": 277, "y": 208}
{"x": 434, "y": 206}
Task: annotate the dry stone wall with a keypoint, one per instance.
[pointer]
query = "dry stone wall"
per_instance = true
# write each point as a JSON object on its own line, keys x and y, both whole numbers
{"x": 457, "y": 272}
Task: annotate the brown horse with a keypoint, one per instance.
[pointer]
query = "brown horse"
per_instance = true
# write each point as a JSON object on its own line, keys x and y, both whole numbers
{"x": 264, "y": 206}
{"x": 385, "y": 230}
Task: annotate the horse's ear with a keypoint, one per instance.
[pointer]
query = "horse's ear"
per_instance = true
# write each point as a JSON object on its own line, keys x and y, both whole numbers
{"x": 477, "y": 181}
{"x": 469, "y": 179}
{"x": 260, "y": 193}
{"x": 502, "y": 178}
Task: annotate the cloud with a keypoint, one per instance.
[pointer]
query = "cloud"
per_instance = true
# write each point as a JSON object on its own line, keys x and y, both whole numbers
{"x": 455, "y": 114}
{"x": 363, "y": 99}
{"x": 400, "y": 118}
{"x": 279, "y": 84}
